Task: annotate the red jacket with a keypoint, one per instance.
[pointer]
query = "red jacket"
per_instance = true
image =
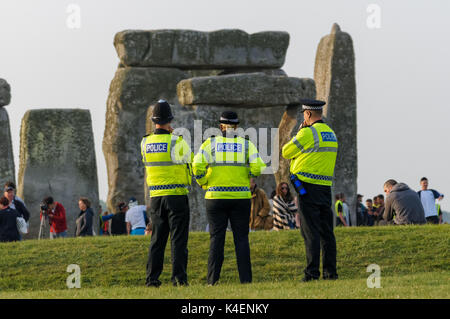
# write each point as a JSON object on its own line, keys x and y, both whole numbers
{"x": 58, "y": 221}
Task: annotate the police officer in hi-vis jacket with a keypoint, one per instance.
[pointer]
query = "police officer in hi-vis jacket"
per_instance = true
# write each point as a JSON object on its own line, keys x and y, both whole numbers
{"x": 313, "y": 154}
{"x": 167, "y": 160}
{"x": 223, "y": 167}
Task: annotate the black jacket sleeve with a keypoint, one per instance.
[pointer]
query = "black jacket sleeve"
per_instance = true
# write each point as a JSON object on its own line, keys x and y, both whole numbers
{"x": 87, "y": 227}
{"x": 22, "y": 210}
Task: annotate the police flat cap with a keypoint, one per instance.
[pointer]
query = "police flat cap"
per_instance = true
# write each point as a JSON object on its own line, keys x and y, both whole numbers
{"x": 312, "y": 105}
{"x": 229, "y": 117}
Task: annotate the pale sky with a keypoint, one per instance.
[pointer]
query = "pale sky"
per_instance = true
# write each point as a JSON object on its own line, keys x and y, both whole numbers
{"x": 402, "y": 68}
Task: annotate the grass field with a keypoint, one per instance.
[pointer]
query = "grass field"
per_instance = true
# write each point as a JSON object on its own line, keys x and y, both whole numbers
{"x": 414, "y": 262}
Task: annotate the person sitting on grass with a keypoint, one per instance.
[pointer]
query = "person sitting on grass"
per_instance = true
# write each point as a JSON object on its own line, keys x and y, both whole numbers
{"x": 284, "y": 208}
{"x": 403, "y": 205}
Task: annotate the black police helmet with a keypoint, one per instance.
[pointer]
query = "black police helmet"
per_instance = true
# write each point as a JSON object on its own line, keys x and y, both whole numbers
{"x": 162, "y": 113}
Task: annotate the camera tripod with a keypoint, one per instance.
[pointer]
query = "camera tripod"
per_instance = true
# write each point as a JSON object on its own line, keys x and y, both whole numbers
{"x": 43, "y": 226}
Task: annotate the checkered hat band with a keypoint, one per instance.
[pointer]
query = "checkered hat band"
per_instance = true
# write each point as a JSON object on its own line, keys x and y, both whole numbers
{"x": 306, "y": 107}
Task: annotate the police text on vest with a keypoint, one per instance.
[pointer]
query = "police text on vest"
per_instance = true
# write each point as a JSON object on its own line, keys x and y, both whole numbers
{"x": 156, "y": 148}
{"x": 229, "y": 147}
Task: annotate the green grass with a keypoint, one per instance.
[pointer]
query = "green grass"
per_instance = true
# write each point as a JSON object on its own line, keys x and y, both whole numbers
{"x": 414, "y": 261}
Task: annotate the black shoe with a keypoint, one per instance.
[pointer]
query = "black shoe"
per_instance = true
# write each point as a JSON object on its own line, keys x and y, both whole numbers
{"x": 330, "y": 277}
{"x": 308, "y": 278}
{"x": 154, "y": 283}
{"x": 180, "y": 283}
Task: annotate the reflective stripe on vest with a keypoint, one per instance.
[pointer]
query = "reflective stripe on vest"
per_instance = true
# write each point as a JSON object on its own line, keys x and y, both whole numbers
{"x": 315, "y": 176}
{"x": 162, "y": 187}
{"x": 229, "y": 189}
{"x": 316, "y": 147}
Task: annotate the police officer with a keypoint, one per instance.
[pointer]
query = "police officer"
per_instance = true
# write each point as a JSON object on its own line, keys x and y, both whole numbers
{"x": 223, "y": 167}
{"x": 313, "y": 156}
{"x": 167, "y": 159}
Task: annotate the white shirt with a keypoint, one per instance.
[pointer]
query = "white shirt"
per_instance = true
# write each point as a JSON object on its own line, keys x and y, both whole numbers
{"x": 135, "y": 216}
{"x": 428, "y": 202}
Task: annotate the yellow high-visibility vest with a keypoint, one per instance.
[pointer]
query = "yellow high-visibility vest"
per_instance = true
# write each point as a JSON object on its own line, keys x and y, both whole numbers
{"x": 336, "y": 208}
{"x": 167, "y": 159}
{"x": 313, "y": 153}
{"x": 223, "y": 167}
{"x": 438, "y": 208}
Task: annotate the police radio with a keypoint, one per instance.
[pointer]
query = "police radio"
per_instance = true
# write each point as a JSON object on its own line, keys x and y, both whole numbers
{"x": 297, "y": 185}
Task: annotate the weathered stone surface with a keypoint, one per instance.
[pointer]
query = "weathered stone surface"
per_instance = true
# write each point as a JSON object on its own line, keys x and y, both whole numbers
{"x": 57, "y": 158}
{"x": 188, "y": 49}
{"x": 131, "y": 92}
{"x": 244, "y": 90}
{"x": 7, "y": 172}
{"x": 272, "y": 72}
{"x": 334, "y": 74}
{"x": 5, "y": 93}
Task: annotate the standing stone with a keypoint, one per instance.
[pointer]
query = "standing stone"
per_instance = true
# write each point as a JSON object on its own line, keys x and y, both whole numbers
{"x": 7, "y": 172}
{"x": 57, "y": 158}
{"x": 131, "y": 92}
{"x": 334, "y": 74}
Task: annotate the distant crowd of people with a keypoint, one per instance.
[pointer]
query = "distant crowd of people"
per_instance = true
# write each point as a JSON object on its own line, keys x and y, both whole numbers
{"x": 402, "y": 206}
{"x": 130, "y": 219}
{"x": 279, "y": 212}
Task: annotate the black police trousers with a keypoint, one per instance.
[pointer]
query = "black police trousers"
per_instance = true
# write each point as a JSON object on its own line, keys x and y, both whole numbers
{"x": 237, "y": 211}
{"x": 169, "y": 214}
{"x": 316, "y": 218}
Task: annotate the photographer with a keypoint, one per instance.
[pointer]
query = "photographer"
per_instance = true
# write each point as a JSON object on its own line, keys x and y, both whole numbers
{"x": 57, "y": 217}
